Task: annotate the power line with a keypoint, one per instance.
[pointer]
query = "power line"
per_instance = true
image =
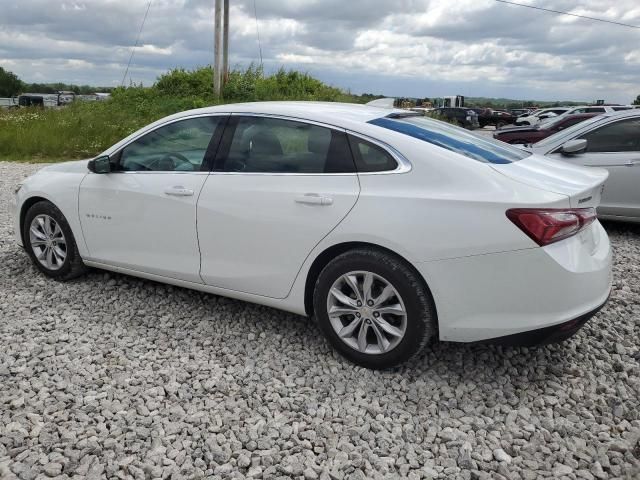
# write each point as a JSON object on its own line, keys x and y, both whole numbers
{"x": 255, "y": 12}
{"x": 570, "y": 14}
{"x": 144, "y": 19}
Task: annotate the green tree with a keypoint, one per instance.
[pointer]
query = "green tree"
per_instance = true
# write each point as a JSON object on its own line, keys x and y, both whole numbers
{"x": 10, "y": 84}
{"x": 637, "y": 100}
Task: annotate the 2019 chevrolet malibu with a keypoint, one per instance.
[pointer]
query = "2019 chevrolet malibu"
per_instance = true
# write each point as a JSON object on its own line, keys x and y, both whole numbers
{"x": 389, "y": 228}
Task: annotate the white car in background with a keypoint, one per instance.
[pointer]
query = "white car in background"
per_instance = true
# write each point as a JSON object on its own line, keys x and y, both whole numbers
{"x": 389, "y": 228}
{"x": 598, "y": 109}
{"x": 610, "y": 141}
{"x": 540, "y": 115}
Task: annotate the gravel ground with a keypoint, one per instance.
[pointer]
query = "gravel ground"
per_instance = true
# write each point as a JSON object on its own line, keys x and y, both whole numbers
{"x": 111, "y": 376}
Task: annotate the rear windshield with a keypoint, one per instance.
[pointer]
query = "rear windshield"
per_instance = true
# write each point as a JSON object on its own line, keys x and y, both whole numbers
{"x": 452, "y": 138}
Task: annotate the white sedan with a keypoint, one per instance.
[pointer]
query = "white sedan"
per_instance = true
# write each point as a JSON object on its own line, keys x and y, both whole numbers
{"x": 540, "y": 115}
{"x": 389, "y": 228}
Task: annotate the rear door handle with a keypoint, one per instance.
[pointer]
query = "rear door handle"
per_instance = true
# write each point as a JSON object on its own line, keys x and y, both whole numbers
{"x": 314, "y": 199}
{"x": 178, "y": 191}
{"x": 632, "y": 163}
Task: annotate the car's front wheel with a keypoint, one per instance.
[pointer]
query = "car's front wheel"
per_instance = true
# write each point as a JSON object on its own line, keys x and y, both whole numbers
{"x": 374, "y": 309}
{"x": 50, "y": 243}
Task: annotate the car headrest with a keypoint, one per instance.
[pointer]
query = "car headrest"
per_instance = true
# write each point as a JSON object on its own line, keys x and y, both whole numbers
{"x": 265, "y": 142}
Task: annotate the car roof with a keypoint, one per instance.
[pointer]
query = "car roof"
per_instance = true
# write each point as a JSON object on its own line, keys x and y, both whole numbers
{"x": 332, "y": 113}
{"x": 632, "y": 112}
{"x": 583, "y": 115}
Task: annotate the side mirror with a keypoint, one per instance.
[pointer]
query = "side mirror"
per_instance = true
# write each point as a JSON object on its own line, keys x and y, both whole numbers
{"x": 574, "y": 146}
{"x": 100, "y": 164}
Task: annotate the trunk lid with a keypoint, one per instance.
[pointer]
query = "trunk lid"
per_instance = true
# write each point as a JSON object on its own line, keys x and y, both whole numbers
{"x": 527, "y": 128}
{"x": 583, "y": 185}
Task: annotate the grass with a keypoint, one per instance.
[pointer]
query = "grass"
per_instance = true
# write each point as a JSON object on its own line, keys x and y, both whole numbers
{"x": 84, "y": 129}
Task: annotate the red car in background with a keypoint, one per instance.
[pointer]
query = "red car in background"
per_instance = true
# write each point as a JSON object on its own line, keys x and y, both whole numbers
{"x": 535, "y": 133}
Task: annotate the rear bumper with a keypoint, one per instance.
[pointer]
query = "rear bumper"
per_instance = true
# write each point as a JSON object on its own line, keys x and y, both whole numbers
{"x": 546, "y": 335}
{"x": 485, "y": 297}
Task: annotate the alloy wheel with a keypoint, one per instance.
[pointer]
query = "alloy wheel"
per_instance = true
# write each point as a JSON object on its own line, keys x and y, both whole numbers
{"x": 48, "y": 242}
{"x": 367, "y": 312}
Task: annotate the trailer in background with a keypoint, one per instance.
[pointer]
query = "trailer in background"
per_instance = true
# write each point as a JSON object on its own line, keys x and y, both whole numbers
{"x": 8, "y": 102}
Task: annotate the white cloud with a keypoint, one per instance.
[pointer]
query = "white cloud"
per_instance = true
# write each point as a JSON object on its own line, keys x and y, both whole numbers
{"x": 404, "y": 47}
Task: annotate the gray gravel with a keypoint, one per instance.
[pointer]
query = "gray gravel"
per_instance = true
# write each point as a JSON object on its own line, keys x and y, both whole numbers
{"x": 111, "y": 376}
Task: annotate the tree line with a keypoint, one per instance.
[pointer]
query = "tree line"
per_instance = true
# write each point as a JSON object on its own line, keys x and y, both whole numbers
{"x": 11, "y": 85}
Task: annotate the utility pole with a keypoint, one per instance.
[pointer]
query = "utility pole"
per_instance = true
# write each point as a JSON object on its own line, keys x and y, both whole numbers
{"x": 225, "y": 43}
{"x": 217, "y": 50}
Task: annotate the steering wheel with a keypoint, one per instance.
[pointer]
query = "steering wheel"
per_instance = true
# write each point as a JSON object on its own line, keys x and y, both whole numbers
{"x": 172, "y": 157}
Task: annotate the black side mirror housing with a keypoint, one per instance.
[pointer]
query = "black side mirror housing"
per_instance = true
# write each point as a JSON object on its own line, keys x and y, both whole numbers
{"x": 100, "y": 164}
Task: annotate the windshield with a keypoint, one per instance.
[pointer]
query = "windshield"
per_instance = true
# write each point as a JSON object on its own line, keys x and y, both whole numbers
{"x": 452, "y": 138}
{"x": 551, "y": 122}
{"x": 569, "y": 131}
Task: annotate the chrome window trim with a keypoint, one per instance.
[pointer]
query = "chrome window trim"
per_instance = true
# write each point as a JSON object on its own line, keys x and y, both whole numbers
{"x": 403, "y": 165}
{"x": 156, "y": 172}
{"x": 288, "y": 117}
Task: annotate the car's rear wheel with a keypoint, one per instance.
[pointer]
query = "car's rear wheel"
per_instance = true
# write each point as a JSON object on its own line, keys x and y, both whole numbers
{"x": 374, "y": 309}
{"x": 50, "y": 243}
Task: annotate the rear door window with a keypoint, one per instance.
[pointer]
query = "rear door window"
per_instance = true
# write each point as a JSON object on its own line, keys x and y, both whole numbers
{"x": 274, "y": 145}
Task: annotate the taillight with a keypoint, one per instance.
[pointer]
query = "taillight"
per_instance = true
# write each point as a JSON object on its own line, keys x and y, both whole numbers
{"x": 549, "y": 225}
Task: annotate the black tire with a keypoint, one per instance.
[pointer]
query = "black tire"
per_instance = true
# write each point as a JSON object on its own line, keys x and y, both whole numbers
{"x": 72, "y": 266}
{"x": 421, "y": 322}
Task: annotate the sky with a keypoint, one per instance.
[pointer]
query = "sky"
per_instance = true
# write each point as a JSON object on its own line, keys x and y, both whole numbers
{"x": 413, "y": 48}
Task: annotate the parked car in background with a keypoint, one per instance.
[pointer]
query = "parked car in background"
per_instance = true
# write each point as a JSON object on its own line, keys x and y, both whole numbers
{"x": 46, "y": 100}
{"x": 390, "y": 228}
{"x": 597, "y": 109}
{"x": 496, "y": 118}
{"x": 516, "y": 112}
{"x": 540, "y": 115}
{"x": 423, "y": 110}
{"x": 611, "y": 141}
{"x": 532, "y": 134}
{"x": 463, "y": 117}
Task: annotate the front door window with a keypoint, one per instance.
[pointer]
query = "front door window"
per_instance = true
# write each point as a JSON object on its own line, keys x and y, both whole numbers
{"x": 177, "y": 147}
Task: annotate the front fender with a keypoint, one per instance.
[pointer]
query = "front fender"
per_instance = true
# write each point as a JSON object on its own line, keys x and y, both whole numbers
{"x": 58, "y": 187}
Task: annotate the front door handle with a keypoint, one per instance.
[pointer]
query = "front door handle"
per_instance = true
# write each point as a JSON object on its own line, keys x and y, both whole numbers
{"x": 632, "y": 163}
{"x": 314, "y": 199}
{"x": 178, "y": 191}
